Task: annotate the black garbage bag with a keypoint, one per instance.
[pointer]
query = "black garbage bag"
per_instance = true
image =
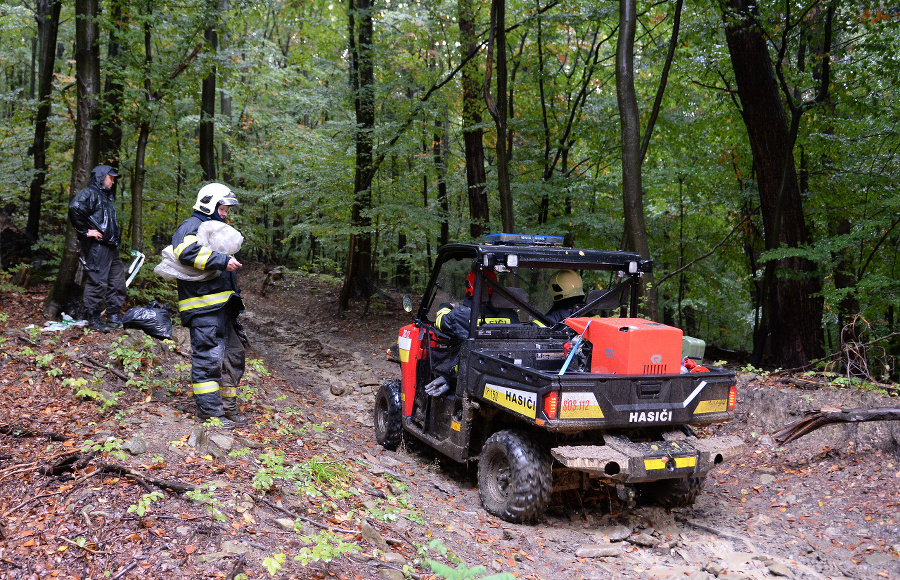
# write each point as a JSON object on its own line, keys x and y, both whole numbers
{"x": 153, "y": 319}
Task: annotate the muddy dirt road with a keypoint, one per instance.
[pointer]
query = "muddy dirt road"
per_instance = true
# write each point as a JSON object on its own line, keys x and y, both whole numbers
{"x": 827, "y": 506}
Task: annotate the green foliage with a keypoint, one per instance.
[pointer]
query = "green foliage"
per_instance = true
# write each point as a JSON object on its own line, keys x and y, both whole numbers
{"x": 461, "y": 572}
{"x": 81, "y": 388}
{"x": 273, "y": 563}
{"x": 143, "y": 504}
{"x": 325, "y": 547}
{"x": 132, "y": 357}
{"x": 310, "y": 476}
{"x": 111, "y": 446}
{"x": 205, "y": 495}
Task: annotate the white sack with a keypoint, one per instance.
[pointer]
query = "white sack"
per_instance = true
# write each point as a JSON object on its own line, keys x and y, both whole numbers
{"x": 218, "y": 236}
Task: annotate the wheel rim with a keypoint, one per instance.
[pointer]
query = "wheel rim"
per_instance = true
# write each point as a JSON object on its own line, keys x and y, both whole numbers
{"x": 501, "y": 476}
{"x": 381, "y": 415}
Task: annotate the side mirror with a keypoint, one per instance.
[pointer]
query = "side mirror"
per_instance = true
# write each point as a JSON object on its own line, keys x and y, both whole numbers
{"x": 407, "y": 303}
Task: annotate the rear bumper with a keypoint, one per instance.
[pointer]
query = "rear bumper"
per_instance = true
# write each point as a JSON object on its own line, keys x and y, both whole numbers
{"x": 624, "y": 461}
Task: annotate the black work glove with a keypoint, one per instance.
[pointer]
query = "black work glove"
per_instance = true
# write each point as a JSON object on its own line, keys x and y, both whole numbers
{"x": 241, "y": 334}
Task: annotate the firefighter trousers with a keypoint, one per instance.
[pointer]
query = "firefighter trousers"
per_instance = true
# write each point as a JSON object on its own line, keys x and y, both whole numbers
{"x": 217, "y": 362}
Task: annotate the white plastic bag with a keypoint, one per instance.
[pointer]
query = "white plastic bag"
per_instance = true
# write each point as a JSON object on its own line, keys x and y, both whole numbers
{"x": 218, "y": 236}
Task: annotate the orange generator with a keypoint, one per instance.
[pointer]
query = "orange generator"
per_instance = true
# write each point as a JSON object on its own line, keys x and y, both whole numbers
{"x": 631, "y": 346}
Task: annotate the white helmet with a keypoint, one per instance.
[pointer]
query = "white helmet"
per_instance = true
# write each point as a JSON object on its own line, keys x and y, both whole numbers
{"x": 212, "y": 195}
{"x": 566, "y": 284}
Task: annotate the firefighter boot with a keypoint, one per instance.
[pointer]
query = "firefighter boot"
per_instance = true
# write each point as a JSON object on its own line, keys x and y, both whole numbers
{"x": 232, "y": 412}
{"x": 114, "y": 320}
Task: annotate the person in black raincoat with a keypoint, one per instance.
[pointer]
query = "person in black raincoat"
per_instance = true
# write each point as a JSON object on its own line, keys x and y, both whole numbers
{"x": 209, "y": 308}
{"x": 93, "y": 216}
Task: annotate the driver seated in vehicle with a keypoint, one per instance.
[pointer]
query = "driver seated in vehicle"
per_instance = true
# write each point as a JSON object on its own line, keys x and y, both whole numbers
{"x": 453, "y": 320}
{"x": 567, "y": 290}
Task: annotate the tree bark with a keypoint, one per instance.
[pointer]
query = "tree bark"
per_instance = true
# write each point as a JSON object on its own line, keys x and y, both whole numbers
{"x": 140, "y": 171}
{"x": 111, "y": 127}
{"x": 358, "y": 276}
{"x": 208, "y": 99}
{"x": 441, "y": 170}
{"x": 498, "y": 111}
{"x": 84, "y": 158}
{"x": 473, "y": 134}
{"x": 47, "y": 18}
{"x": 790, "y": 329}
{"x": 632, "y": 185}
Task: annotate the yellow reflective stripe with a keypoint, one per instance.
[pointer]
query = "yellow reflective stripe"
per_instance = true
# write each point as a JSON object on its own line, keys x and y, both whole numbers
{"x": 207, "y": 300}
{"x": 496, "y": 321}
{"x": 685, "y": 461}
{"x": 539, "y": 323}
{"x": 654, "y": 464}
{"x": 202, "y": 258}
{"x": 205, "y": 387}
{"x": 187, "y": 241}
{"x": 440, "y": 316}
{"x": 229, "y": 391}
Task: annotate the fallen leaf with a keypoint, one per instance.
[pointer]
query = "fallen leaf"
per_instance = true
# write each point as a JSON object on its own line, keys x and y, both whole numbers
{"x": 29, "y": 542}
{"x": 189, "y": 549}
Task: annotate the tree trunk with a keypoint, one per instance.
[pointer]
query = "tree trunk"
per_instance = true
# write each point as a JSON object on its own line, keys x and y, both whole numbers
{"x": 47, "y": 17}
{"x": 225, "y": 110}
{"x": 208, "y": 100}
{"x": 140, "y": 171}
{"x": 441, "y": 170}
{"x": 632, "y": 186}
{"x": 790, "y": 329}
{"x": 111, "y": 128}
{"x": 498, "y": 111}
{"x": 473, "y": 135}
{"x": 358, "y": 277}
{"x": 84, "y": 158}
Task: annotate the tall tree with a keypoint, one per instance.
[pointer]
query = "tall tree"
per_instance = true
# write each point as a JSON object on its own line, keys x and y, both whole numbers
{"x": 498, "y": 110}
{"x": 84, "y": 158}
{"x": 111, "y": 124}
{"x": 358, "y": 276}
{"x": 790, "y": 328}
{"x": 629, "y": 115}
{"x": 473, "y": 134}
{"x": 208, "y": 96}
{"x": 47, "y": 18}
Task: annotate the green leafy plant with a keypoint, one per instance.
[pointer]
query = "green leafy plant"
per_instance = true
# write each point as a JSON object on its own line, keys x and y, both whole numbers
{"x": 205, "y": 496}
{"x": 143, "y": 504}
{"x": 43, "y": 360}
{"x": 238, "y": 453}
{"x": 324, "y": 547}
{"x": 132, "y": 358}
{"x": 461, "y": 572}
{"x": 273, "y": 563}
{"x": 111, "y": 446}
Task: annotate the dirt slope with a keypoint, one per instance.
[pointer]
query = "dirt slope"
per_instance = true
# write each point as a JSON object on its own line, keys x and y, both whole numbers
{"x": 825, "y": 507}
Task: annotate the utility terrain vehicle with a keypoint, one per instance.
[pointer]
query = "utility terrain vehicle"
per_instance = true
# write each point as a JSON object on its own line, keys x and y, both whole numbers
{"x": 600, "y": 398}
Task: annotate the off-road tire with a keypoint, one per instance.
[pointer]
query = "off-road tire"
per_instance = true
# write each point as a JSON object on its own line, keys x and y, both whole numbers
{"x": 673, "y": 493}
{"x": 388, "y": 417}
{"x": 514, "y": 477}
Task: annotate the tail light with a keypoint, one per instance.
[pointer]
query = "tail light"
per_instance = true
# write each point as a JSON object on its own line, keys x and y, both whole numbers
{"x": 732, "y": 398}
{"x": 551, "y": 405}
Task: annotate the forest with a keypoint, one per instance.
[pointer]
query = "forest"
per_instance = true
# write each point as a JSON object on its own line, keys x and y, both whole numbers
{"x": 748, "y": 147}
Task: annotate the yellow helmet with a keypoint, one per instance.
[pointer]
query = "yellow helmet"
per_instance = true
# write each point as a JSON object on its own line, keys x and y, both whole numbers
{"x": 565, "y": 284}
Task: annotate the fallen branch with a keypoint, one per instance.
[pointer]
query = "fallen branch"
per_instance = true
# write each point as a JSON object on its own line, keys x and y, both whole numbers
{"x": 18, "y": 431}
{"x": 275, "y": 506}
{"x": 97, "y": 364}
{"x": 24, "y": 503}
{"x": 164, "y": 484}
{"x": 831, "y": 356}
{"x": 816, "y": 419}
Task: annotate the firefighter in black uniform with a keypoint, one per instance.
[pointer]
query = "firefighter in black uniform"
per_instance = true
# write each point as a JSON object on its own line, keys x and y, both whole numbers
{"x": 93, "y": 216}
{"x": 567, "y": 290}
{"x": 454, "y": 322}
{"x": 210, "y": 309}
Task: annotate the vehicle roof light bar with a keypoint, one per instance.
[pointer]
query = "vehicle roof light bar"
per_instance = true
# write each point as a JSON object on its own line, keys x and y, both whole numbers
{"x": 523, "y": 240}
